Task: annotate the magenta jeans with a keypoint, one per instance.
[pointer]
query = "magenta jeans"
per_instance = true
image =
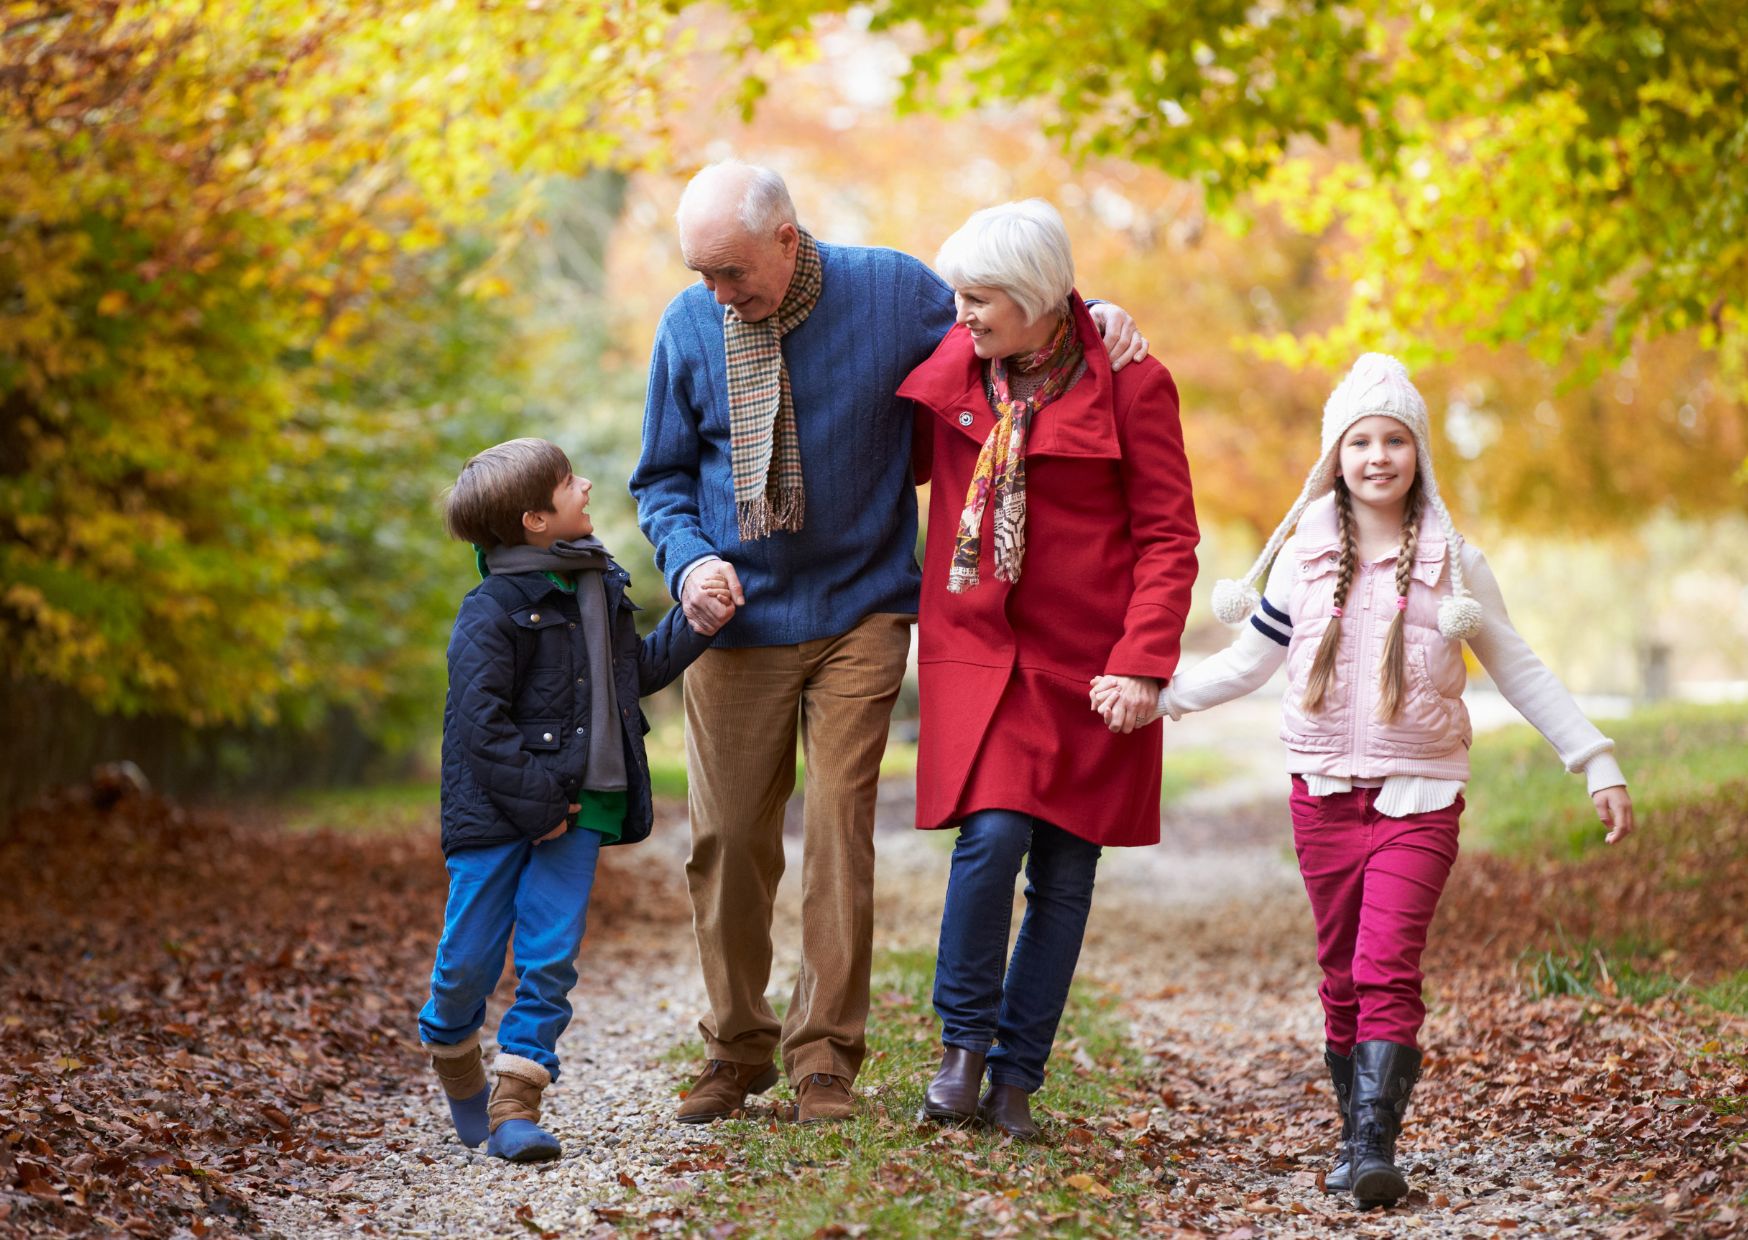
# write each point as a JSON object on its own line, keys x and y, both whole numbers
{"x": 1374, "y": 884}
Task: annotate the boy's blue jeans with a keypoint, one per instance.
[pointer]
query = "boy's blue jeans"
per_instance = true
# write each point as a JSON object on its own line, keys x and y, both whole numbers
{"x": 977, "y": 1009}
{"x": 542, "y": 893}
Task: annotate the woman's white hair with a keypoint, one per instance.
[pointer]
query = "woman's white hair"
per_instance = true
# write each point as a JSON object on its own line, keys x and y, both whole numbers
{"x": 764, "y": 201}
{"x": 1018, "y": 247}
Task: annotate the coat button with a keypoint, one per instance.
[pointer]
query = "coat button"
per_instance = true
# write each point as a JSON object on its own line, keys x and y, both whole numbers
{"x": 546, "y": 736}
{"x": 533, "y": 617}
{"x": 965, "y": 417}
{"x": 573, "y": 624}
{"x": 579, "y": 731}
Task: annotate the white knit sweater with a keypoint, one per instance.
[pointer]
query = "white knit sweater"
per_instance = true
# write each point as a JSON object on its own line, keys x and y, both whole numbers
{"x": 1522, "y": 678}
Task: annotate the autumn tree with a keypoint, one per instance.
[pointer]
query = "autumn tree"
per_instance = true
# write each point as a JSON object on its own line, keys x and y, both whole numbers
{"x": 255, "y": 301}
{"x": 1545, "y": 173}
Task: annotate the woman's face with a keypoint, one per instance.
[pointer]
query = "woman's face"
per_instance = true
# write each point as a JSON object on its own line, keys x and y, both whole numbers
{"x": 1378, "y": 462}
{"x": 997, "y": 324}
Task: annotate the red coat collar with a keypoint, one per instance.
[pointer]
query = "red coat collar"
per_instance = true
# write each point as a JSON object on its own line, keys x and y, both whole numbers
{"x": 1081, "y": 423}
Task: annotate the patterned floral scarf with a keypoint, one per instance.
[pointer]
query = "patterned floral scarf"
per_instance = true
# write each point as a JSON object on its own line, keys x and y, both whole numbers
{"x": 1000, "y": 475}
{"x": 761, "y": 413}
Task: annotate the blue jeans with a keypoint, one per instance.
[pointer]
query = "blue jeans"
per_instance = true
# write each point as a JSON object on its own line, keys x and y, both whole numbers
{"x": 539, "y": 891}
{"x": 977, "y": 1009}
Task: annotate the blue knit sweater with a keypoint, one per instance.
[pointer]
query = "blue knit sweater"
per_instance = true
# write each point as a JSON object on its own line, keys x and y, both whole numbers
{"x": 879, "y": 315}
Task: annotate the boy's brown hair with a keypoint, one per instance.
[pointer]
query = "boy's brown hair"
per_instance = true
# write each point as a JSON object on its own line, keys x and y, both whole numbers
{"x": 497, "y": 486}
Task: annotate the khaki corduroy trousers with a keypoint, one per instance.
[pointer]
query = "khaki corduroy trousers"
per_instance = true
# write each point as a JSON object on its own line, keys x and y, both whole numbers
{"x": 744, "y": 708}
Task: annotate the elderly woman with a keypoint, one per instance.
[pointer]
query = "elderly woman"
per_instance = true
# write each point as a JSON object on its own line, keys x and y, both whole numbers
{"x": 1061, "y": 551}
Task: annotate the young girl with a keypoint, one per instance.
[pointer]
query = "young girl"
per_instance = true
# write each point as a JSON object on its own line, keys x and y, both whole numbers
{"x": 1368, "y": 605}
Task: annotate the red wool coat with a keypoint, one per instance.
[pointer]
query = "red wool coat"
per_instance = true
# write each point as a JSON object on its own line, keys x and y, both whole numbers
{"x": 1004, "y": 670}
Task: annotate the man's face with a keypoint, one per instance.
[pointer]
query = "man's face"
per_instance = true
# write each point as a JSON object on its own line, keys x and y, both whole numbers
{"x": 750, "y": 273}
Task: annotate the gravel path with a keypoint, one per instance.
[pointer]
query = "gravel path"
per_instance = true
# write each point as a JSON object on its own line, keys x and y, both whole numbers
{"x": 1208, "y": 938}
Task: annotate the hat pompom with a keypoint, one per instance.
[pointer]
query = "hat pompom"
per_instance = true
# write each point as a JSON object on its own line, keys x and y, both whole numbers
{"x": 1459, "y": 617}
{"x": 1234, "y": 600}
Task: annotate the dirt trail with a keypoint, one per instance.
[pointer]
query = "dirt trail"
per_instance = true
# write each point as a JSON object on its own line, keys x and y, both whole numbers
{"x": 1206, "y": 938}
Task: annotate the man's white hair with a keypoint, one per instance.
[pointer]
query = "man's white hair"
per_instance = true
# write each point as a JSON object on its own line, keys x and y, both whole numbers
{"x": 1018, "y": 247}
{"x": 764, "y": 203}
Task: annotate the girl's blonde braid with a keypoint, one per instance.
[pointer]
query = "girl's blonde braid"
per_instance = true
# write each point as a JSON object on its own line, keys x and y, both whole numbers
{"x": 1323, "y": 664}
{"x": 1393, "y": 671}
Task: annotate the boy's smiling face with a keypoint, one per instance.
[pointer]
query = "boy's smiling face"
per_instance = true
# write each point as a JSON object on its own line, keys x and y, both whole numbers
{"x": 569, "y": 518}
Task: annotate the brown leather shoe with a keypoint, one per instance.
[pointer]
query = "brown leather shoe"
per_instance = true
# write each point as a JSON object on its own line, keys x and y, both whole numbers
{"x": 722, "y": 1089}
{"x": 952, "y": 1095}
{"x": 820, "y": 1099}
{"x": 1008, "y": 1107}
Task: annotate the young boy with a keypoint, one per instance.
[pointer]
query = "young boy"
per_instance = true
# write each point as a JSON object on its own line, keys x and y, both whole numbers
{"x": 543, "y": 764}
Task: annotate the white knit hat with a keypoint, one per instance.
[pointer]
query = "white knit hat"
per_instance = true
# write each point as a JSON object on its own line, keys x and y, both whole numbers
{"x": 1377, "y": 384}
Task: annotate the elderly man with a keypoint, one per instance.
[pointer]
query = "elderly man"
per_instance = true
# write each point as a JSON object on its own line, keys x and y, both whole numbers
{"x": 776, "y": 471}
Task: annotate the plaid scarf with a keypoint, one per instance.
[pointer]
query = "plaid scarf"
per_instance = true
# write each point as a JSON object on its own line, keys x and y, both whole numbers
{"x": 1000, "y": 474}
{"x": 761, "y": 413}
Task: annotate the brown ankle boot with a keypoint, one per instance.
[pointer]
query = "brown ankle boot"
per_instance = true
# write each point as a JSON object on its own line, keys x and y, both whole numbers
{"x": 722, "y": 1089}
{"x": 516, "y": 1094}
{"x": 952, "y": 1095}
{"x": 460, "y": 1068}
{"x": 1009, "y": 1108}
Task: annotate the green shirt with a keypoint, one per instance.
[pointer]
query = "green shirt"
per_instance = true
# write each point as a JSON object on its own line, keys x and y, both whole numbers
{"x": 603, "y": 812}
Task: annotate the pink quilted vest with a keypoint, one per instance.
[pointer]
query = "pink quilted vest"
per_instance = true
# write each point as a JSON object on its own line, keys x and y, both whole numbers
{"x": 1430, "y": 735}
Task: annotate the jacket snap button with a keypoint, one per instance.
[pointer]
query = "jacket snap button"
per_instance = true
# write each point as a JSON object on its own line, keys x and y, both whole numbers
{"x": 965, "y": 418}
{"x": 579, "y": 731}
{"x": 573, "y": 624}
{"x": 533, "y": 617}
{"x": 546, "y": 736}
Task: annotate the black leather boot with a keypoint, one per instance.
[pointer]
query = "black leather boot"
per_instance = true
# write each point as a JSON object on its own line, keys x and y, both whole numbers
{"x": 952, "y": 1095}
{"x": 1339, "y": 1178}
{"x": 1383, "y": 1076}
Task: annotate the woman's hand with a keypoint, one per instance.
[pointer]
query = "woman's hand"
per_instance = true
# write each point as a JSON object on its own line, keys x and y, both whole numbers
{"x": 1615, "y": 808}
{"x": 1125, "y": 702}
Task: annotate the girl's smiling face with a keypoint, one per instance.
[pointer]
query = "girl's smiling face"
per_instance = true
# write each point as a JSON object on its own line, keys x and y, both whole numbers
{"x": 1378, "y": 462}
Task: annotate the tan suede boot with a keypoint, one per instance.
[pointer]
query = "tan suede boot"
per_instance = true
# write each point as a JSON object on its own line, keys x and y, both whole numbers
{"x": 515, "y": 1111}
{"x": 461, "y": 1068}
{"x": 463, "y": 1076}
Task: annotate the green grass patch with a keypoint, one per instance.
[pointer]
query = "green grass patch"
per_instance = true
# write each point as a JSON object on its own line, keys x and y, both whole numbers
{"x": 892, "y": 1176}
{"x": 1625, "y": 969}
{"x": 1522, "y": 800}
{"x": 1187, "y": 770}
{"x": 390, "y": 807}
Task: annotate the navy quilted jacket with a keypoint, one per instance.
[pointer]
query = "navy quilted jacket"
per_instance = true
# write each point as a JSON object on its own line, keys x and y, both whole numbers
{"x": 516, "y": 722}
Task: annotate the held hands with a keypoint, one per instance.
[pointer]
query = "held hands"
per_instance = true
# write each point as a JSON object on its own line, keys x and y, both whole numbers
{"x": 710, "y": 596}
{"x": 1615, "y": 808}
{"x": 1125, "y": 702}
{"x": 559, "y": 829}
{"x": 1123, "y": 341}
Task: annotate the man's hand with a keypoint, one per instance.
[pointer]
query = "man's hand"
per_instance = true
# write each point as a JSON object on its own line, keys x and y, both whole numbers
{"x": 1615, "y": 808}
{"x": 1125, "y": 702}
{"x": 559, "y": 830}
{"x": 710, "y": 596}
{"x": 1123, "y": 342}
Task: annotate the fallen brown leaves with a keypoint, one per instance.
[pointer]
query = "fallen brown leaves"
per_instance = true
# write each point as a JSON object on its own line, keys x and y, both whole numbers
{"x": 195, "y": 1006}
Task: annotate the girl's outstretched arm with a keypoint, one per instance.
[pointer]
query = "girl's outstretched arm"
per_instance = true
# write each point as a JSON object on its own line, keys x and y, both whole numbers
{"x": 1254, "y": 655}
{"x": 1537, "y": 694}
